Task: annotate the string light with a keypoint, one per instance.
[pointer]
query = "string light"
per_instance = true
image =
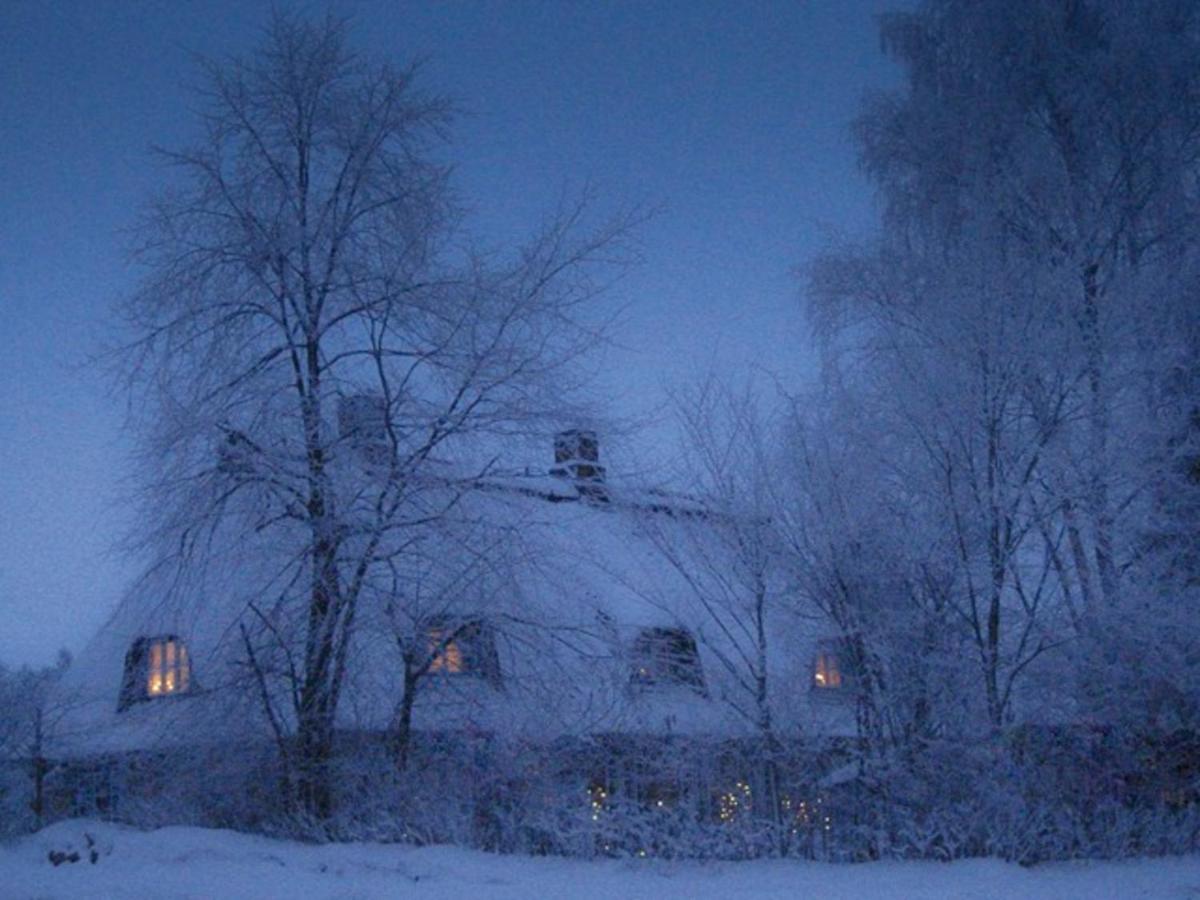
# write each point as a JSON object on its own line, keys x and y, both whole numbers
{"x": 729, "y": 803}
{"x": 598, "y": 797}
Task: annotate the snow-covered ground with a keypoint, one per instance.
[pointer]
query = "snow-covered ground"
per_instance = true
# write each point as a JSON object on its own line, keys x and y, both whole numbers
{"x": 200, "y": 863}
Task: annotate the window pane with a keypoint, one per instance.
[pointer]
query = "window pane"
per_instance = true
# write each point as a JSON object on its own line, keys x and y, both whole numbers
{"x": 185, "y": 668}
{"x": 826, "y": 673}
{"x": 448, "y": 658}
{"x": 154, "y": 683}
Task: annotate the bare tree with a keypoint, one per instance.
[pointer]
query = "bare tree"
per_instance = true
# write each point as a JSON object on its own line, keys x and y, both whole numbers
{"x": 847, "y": 547}
{"x": 726, "y": 554}
{"x": 1073, "y": 148}
{"x": 1023, "y": 313}
{"x": 30, "y": 711}
{"x": 730, "y": 558}
{"x": 313, "y": 347}
{"x": 448, "y": 622}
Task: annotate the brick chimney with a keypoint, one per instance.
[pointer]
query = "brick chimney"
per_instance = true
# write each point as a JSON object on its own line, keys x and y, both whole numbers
{"x": 577, "y": 457}
{"x": 362, "y": 424}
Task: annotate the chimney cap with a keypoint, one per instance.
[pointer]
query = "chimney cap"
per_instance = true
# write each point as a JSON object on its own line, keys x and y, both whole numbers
{"x": 577, "y": 456}
{"x": 576, "y": 443}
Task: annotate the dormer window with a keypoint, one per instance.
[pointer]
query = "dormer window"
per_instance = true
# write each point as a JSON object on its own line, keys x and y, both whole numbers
{"x": 155, "y": 667}
{"x": 463, "y": 647}
{"x": 666, "y": 656}
{"x": 833, "y": 668}
{"x": 446, "y": 652}
{"x": 827, "y": 671}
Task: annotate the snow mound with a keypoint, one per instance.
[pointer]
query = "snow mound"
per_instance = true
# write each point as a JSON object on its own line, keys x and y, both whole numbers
{"x": 102, "y": 860}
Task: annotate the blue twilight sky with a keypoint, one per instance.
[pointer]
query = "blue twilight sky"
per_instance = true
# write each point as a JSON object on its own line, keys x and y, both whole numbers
{"x": 731, "y": 116}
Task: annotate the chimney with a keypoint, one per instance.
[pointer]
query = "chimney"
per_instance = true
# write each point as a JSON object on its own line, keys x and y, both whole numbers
{"x": 362, "y": 423}
{"x": 235, "y": 454}
{"x": 577, "y": 457}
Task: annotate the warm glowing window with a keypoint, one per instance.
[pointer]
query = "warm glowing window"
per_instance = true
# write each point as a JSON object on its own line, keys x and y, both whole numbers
{"x": 168, "y": 671}
{"x": 827, "y": 672}
{"x": 458, "y": 647}
{"x": 835, "y": 667}
{"x": 447, "y": 654}
{"x": 155, "y": 667}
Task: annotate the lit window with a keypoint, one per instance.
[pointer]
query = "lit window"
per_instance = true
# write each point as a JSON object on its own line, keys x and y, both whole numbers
{"x": 447, "y": 655}
{"x": 458, "y": 647}
{"x": 664, "y": 656}
{"x": 169, "y": 670}
{"x": 826, "y": 671}
{"x": 155, "y": 667}
{"x": 834, "y": 667}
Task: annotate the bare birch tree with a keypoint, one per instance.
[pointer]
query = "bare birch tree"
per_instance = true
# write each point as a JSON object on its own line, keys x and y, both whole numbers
{"x": 1074, "y": 147}
{"x": 1036, "y": 179}
{"x": 312, "y": 347}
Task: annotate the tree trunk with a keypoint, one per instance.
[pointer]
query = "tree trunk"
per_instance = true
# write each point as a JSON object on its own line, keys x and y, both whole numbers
{"x": 402, "y": 732}
{"x": 318, "y": 693}
{"x": 315, "y": 752}
{"x": 318, "y": 704}
{"x": 1099, "y": 425}
{"x": 40, "y": 767}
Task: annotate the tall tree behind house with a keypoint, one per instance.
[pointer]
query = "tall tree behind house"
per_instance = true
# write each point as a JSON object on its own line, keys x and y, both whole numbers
{"x": 1020, "y": 327}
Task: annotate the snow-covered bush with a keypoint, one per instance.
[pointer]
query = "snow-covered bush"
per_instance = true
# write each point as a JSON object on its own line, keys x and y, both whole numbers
{"x": 1028, "y": 796}
{"x": 16, "y": 796}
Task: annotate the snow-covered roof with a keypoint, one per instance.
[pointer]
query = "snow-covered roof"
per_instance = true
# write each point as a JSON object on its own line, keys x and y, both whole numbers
{"x": 574, "y": 574}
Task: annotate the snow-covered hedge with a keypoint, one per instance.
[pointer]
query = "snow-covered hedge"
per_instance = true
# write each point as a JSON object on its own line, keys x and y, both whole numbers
{"x": 1026, "y": 797}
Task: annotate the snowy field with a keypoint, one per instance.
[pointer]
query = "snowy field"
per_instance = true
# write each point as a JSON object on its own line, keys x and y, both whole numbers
{"x": 199, "y": 863}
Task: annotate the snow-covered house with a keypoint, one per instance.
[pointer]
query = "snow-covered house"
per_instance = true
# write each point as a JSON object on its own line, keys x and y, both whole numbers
{"x": 574, "y": 633}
